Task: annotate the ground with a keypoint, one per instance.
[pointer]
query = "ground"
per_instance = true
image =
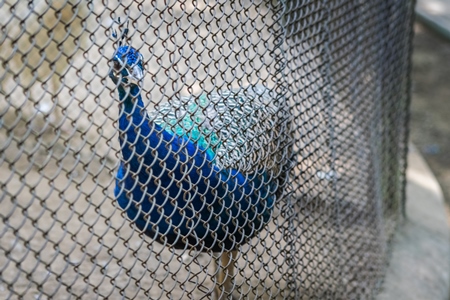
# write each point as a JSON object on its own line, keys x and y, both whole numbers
{"x": 430, "y": 106}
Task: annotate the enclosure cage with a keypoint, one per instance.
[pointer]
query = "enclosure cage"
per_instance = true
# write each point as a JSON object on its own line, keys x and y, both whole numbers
{"x": 298, "y": 109}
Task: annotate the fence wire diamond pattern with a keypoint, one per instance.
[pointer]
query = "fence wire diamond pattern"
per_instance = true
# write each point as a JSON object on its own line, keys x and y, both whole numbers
{"x": 250, "y": 149}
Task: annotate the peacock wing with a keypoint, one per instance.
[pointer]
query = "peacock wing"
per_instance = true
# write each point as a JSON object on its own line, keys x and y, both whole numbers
{"x": 240, "y": 128}
{"x": 248, "y": 122}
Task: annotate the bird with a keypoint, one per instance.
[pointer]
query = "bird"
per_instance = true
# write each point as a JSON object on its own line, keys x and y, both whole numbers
{"x": 198, "y": 172}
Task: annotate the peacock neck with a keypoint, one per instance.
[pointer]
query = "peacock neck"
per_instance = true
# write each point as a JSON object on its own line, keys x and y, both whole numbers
{"x": 132, "y": 111}
{"x": 129, "y": 98}
{"x": 134, "y": 123}
{"x": 141, "y": 137}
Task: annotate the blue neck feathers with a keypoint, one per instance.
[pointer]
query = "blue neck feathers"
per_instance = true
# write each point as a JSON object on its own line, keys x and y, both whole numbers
{"x": 145, "y": 143}
{"x": 133, "y": 123}
{"x": 128, "y": 100}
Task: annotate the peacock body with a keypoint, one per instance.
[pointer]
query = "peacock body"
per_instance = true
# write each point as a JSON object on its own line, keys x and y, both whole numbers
{"x": 198, "y": 171}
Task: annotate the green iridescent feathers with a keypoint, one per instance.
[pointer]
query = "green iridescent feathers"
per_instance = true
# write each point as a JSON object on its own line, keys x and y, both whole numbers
{"x": 237, "y": 129}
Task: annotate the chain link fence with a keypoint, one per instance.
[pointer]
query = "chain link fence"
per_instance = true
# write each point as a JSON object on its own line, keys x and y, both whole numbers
{"x": 306, "y": 104}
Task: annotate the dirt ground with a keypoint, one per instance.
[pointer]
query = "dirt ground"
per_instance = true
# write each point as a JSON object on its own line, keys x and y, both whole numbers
{"x": 430, "y": 107}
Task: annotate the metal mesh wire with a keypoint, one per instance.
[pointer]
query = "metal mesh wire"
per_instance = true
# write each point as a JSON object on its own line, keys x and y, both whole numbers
{"x": 338, "y": 72}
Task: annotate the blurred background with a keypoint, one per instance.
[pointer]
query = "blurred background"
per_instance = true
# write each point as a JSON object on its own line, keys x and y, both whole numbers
{"x": 430, "y": 106}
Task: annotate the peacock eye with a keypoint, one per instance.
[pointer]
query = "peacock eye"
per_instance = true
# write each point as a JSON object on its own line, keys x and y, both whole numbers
{"x": 117, "y": 66}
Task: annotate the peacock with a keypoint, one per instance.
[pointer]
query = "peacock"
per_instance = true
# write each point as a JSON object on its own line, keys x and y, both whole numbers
{"x": 199, "y": 172}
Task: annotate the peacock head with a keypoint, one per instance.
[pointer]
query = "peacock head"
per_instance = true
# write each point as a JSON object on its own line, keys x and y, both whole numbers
{"x": 127, "y": 67}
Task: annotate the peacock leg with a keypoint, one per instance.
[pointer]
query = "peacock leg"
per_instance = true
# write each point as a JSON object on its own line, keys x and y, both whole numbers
{"x": 225, "y": 275}
{"x": 57, "y": 117}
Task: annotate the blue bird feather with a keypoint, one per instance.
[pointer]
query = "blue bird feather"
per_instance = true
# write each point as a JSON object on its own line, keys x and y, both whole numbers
{"x": 199, "y": 171}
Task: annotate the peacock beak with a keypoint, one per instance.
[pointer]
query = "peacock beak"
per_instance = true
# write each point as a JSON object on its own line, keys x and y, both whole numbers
{"x": 117, "y": 68}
